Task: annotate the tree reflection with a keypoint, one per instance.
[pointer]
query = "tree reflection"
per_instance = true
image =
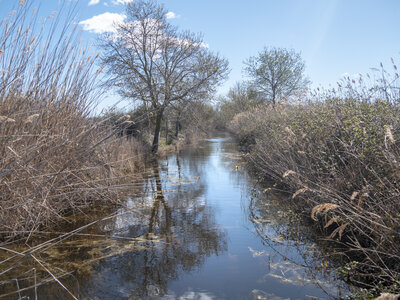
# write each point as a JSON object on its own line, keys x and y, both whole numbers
{"x": 179, "y": 231}
{"x": 170, "y": 229}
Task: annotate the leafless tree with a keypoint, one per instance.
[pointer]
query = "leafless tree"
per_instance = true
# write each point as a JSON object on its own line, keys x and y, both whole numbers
{"x": 151, "y": 61}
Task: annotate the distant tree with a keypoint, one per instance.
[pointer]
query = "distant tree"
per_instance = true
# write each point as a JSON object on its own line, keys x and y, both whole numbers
{"x": 241, "y": 97}
{"x": 276, "y": 73}
{"x": 151, "y": 61}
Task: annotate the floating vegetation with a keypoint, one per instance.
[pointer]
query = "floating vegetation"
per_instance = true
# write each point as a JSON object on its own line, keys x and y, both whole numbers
{"x": 261, "y": 295}
{"x": 294, "y": 255}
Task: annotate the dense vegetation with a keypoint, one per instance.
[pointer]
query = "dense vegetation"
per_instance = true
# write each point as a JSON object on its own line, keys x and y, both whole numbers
{"x": 55, "y": 159}
{"x": 337, "y": 151}
{"x": 183, "y": 124}
{"x": 58, "y": 159}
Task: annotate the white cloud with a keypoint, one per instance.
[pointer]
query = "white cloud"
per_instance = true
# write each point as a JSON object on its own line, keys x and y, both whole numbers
{"x": 106, "y": 23}
{"x": 171, "y": 15}
{"x": 93, "y": 2}
{"x": 102, "y": 23}
{"x": 116, "y": 2}
{"x": 204, "y": 45}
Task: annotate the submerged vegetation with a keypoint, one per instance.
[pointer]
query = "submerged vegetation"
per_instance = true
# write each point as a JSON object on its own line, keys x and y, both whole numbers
{"x": 337, "y": 151}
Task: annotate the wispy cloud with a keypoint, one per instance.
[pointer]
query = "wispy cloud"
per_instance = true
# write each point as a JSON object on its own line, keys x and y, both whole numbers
{"x": 351, "y": 76}
{"x": 102, "y": 23}
{"x": 93, "y": 2}
{"x": 325, "y": 21}
{"x": 171, "y": 15}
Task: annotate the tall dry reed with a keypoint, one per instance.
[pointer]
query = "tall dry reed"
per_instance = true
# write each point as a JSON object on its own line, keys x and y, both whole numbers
{"x": 54, "y": 158}
{"x": 338, "y": 152}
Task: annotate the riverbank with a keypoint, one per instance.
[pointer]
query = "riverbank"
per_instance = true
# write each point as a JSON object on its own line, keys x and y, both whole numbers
{"x": 338, "y": 158}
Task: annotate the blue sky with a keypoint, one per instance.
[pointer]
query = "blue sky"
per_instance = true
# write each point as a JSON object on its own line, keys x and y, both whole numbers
{"x": 335, "y": 37}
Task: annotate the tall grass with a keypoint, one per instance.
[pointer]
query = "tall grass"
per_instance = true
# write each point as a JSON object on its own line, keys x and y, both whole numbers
{"x": 338, "y": 152}
{"x": 54, "y": 159}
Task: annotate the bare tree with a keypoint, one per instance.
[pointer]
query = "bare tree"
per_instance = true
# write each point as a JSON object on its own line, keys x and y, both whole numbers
{"x": 276, "y": 73}
{"x": 151, "y": 61}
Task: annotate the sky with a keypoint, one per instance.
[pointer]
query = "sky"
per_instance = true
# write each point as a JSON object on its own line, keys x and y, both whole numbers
{"x": 335, "y": 37}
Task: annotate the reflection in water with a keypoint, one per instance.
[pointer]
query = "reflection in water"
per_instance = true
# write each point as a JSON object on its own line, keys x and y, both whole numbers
{"x": 169, "y": 230}
{"x": 295, "y": 253}
{"x": 199, "y": 230}
{"x": 179, "y": 231}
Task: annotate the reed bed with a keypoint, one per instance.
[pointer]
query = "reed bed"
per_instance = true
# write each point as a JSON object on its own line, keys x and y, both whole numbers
{"x": 55, "y": 159}
{"x": 338, "y": 154}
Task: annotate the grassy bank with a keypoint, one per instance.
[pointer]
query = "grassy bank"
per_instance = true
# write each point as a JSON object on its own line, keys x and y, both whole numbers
{"x": 338, "y": 153}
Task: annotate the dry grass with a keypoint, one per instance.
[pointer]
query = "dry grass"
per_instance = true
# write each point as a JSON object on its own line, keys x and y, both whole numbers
{"x": 339, "y": 153}
{"x": 54, "y": 158}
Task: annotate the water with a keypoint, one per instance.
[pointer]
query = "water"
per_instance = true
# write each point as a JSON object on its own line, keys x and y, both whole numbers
{"x": 201, "y": 229}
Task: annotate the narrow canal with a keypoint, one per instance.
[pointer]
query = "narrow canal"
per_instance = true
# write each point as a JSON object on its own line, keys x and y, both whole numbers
{"x": 201, "y": 229}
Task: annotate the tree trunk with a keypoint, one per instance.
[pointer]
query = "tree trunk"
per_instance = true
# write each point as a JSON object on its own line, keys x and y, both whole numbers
{"x": 154, "y": 147}
{"x": 177, "y": 125}
{"x": 273, "y": 97}
{"x": 166, "y": 130}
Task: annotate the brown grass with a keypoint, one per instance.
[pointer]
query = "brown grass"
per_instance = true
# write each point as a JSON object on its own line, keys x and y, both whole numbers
{"x": 343, "y": 145}
{"x": 54, "y": 158}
